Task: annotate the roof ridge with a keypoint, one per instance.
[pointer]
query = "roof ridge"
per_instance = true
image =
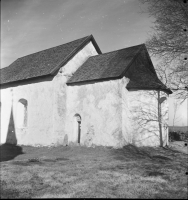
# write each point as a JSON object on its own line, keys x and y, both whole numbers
{"x": 53, "y": 47}
{"x": 45, "y": 50}
{"x": 117, "y": 50}
{"x": 69, "y": 55}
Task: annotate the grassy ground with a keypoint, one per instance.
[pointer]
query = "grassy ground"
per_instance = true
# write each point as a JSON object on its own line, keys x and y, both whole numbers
{"x": 81, "y": 172}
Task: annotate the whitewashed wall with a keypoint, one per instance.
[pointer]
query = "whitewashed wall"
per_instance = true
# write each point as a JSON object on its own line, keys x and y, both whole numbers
{"x": 46, "y": 106}
{"x": 100, "y": 109}
{"x": 39, "y": 120}
{"x": 140, "y": 117}
{"x": 60, "y": 93}
{"x": 111, "y": 114}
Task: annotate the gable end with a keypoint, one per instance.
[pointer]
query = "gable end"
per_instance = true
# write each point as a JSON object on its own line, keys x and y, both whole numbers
{"x": 75, "y": 51}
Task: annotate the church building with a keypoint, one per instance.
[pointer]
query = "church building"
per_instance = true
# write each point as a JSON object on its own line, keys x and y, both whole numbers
{"x": 73, "y": 94}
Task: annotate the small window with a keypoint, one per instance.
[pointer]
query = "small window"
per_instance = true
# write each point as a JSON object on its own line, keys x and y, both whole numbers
{"x": 21, "y": 113}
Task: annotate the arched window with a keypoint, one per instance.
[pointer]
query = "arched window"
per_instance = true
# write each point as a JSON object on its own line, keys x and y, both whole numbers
{"x": 21, "y": 113}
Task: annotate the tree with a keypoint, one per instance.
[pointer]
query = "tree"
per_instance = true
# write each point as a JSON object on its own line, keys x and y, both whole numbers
{"x": 169, "y": 41}
{"x": 175, "y": 117}
{"x": 147, "y": 114}
{"x": 152, "y": 118}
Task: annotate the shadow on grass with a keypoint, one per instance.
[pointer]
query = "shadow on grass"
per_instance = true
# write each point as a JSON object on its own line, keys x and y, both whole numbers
{"x": 9, "y": 152}
{"x": 130, "y": 152}
{"x": 154, "y": 173}
{"x": 169, "y": 148}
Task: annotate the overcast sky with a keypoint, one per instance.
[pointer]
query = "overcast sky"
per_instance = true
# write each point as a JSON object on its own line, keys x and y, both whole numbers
{"x": 28, "y": 26}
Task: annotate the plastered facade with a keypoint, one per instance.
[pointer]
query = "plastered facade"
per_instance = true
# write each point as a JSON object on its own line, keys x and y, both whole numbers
{"x": 40, "y": 107}
{"x": 108, "y": 111}
{"x": 111, "y": 114}
{"x": 46, "y": 108}
{"x": 100, "y": 110}
{"x": 140, "y": 117}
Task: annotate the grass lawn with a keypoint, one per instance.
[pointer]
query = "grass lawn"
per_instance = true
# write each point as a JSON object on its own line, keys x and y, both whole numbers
{"x": 81, "y": 172}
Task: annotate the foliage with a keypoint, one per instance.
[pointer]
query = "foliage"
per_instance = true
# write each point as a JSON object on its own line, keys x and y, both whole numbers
{"x": 178, "y": 136}
{"x": 146, "y": 114}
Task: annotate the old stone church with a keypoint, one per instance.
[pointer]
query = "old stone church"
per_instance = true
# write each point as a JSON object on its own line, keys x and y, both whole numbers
{"x": 75, "y": 94}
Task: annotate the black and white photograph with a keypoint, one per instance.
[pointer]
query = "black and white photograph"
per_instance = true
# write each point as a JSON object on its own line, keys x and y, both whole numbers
{"x": 94, "y": 99}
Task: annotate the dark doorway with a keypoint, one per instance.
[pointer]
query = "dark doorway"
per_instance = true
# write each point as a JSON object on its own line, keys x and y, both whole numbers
{"x": 78, "y": 122}
{"x": 79, "y": 131}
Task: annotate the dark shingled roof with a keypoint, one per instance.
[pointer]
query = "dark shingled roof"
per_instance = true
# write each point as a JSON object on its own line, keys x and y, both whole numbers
{"x": 144, "y": 79}
{"x": 43, "y": 62}
{"x": 133, "y": 62}
{"x": 107, "y": 65}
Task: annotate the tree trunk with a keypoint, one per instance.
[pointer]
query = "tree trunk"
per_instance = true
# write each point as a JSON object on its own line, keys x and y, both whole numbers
{"x": 159, "y": 120}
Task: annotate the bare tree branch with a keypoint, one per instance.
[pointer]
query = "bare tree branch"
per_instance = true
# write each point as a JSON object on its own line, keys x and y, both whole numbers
{"x": 169, "y": 42}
